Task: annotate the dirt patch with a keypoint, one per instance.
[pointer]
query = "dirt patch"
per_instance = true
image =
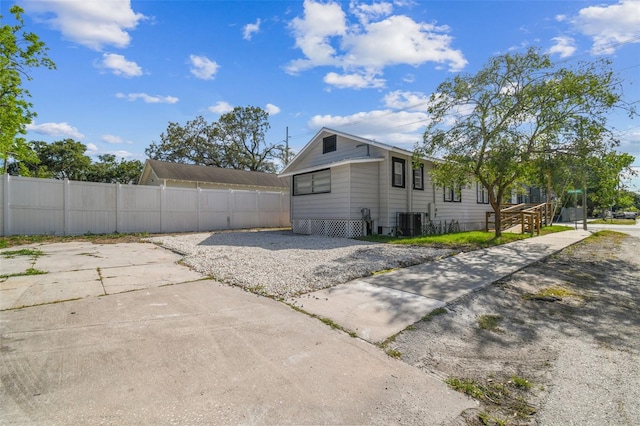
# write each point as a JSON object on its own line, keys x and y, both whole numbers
{"x": 556, "y": 343}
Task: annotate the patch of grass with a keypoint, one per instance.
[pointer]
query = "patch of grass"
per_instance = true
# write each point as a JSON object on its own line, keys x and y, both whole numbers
{"x": 436, "y": 312}
{"x": 521, "y": 382}
{"x": 19, "y": 240}
{"x": 555, "y": 291}
{"x": 383, "y": 271}
{"x": 597, "y": 238}
{"x": 393, "y": 353}
{"x": 488, "y": 420}
{"x": 385, "y": 346}
{"x": 471, "y": 240}
{"x": 23, "y": 252}
{"x": 466, "y": 386}
{"x": 498, "y": 398}
{"x": 324, "y": 320}
{"x": 30, "y": 271}
{"x": 489, "y": 322}
{"x": 614, "y": 222}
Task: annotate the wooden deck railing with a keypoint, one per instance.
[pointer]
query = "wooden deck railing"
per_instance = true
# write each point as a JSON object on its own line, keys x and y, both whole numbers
{"x": 531, "y": 217}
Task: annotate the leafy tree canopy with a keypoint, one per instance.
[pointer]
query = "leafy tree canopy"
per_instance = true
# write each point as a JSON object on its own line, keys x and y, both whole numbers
{"x": 236, "y": 140}
{"x": 20, "y": 51}
{"x": 495, "y": 126}
{"x": 67, "y": 159}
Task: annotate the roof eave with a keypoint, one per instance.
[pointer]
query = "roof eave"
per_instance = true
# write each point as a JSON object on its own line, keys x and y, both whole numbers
{"x": 334, "y": 164}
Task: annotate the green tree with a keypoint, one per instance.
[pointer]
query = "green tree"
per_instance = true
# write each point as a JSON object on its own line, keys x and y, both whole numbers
{"x": 606, "y": 188}
{"x": 196, "y": 142}
{"x": 62, "y": 159}
{"x": 236, "y": 140}
{"x": 108, "y": 170}
{"x": 242, "y": 132}
{"x": 495, "y": 125}
{"x": 20, "y": 51}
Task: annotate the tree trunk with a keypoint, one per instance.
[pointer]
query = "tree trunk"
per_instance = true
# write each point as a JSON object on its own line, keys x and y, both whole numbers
{"x": 584, "y": 204}
{"x": 497, "y": 210}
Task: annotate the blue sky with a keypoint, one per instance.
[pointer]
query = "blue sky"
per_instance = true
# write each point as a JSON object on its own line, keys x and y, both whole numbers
{"x": 128, "y": 68}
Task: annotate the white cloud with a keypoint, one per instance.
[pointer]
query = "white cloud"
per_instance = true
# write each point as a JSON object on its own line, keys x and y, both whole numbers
{"x": 203, "y": 67}
{"x": 119, "y": 65}
{"x": 148, "y": 98}
{"x": 564, "y": 46}
{"x": 561, "y": 18}
{"x": 112, "y": 139}
{"x": 94, "y": 24}
{"x": 313, "y": 34}
{"x": 401, "y": 40}
{"x": 221, "y": 107}
{"x": 92, "y": 149}
{"x": 409, "y": 78}
{"x": 367, "y": 12}
{"x": 325, "y": 39}
{"x": 272, "y": 109}
{"x": 610, "y": 26}
{"x": 415, "y": 101}
{"x": 250, "y": 29}
{"x": 121, "y": 154}
{"x": 353, "y": 81}
{"x": 55, "y": 129}
{"x": 400, "y": 128}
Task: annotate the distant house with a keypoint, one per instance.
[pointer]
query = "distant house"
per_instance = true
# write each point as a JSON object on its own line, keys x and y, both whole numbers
{"x": 168, "y": 174}
{"x": 347, "y": 186}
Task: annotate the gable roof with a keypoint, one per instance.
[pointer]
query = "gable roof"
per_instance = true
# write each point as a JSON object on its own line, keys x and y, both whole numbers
{"x": 211, "y": 174}
{"x": 316, "y": 139}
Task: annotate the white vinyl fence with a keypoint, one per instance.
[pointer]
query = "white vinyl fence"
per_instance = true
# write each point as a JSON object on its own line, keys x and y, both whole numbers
{"x": 33, "y": 206}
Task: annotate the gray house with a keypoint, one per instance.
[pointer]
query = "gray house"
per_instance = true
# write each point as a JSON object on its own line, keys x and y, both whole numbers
{"x": 347, "y": 186}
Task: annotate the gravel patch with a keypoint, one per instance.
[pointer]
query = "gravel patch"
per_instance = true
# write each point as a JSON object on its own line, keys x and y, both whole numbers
{"x": 283, "y": 264}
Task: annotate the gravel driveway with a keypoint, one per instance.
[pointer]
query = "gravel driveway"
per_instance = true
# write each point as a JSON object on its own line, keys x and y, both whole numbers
{"x": 283, "y": 264}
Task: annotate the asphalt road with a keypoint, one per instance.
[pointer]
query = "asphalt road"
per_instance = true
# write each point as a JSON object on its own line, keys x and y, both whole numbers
{"x": 633, "y": 230}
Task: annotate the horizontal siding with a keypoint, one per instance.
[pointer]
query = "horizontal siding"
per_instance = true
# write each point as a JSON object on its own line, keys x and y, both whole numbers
{"x": 345, "y": 148}
{"x": 422, "y": 198}
{"x": 398, "y": 197}
{"x": 364, "y": 190}
{"x": 332, "y": 205}
{"x": 466, "y": 211}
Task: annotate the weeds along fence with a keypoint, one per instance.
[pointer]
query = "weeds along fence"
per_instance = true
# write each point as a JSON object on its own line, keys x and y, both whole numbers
{"x": 32, "y": 206}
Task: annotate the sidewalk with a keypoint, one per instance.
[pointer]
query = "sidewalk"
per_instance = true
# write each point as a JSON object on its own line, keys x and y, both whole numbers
{"x": 380, "y": 306}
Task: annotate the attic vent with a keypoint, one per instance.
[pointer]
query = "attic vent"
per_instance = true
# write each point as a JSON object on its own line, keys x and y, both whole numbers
{"x": 329, "y": 144}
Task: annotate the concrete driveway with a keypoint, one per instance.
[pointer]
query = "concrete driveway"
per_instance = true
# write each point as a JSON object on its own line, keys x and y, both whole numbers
{"x": 151, "y": 342}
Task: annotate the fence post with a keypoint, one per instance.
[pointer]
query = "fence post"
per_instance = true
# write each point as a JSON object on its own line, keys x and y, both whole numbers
{"x": 66, "y": 221}
{"x": 6, "y": 216}
{"x": 258, "y": 209}
{"x": 118, "y": 206}
{"x": 229, "y": 208}
{"x": 281, "y": 216}
{"x": 198, "y": 194}
{"x": 162, "y": 207}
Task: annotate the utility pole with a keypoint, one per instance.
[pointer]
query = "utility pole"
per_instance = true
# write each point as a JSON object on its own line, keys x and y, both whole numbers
{"x": 286, "y": 149}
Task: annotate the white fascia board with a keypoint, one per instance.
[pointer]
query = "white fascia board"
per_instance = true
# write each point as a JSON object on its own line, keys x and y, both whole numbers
{"x": 330, "y": 165}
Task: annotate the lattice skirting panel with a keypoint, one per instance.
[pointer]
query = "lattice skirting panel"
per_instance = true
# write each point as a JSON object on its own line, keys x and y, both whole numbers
{"x": 341, "y": 228}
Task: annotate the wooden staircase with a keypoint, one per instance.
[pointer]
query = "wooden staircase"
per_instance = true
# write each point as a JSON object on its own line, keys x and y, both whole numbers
{"x": 523, "y": 218}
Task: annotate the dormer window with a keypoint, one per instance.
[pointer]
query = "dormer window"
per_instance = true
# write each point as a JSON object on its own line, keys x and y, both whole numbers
{"x": 329, "y": 144}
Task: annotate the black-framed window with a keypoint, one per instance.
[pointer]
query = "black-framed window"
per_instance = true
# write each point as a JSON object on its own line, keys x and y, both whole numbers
{"x": 482, "y": 195}
{"x": 453, "y": 194}
{"x": 329, "y": 144}
{"x": 317, "y": 182}
{"x": 397, "y": 172}
{"x": 418, "y": 177}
